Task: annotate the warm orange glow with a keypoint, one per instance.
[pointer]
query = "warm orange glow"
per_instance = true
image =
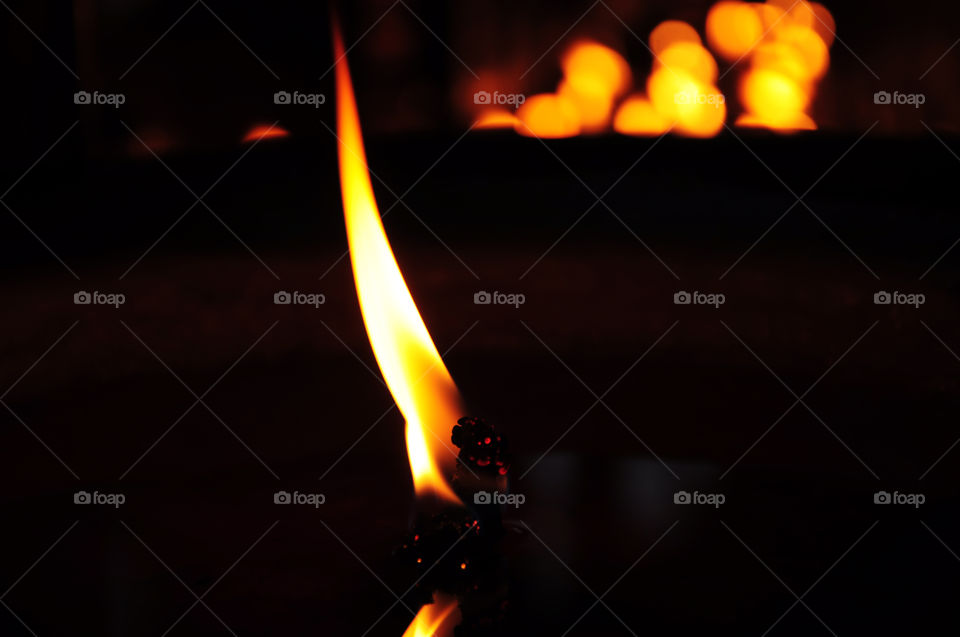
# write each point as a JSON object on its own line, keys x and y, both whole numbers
{"x": 548, "y": 115}
{"x": 810, "y": 48}
{"x": 671, "y": 32}
{"x": 698, "y": 109}
{"x": 733, "y": 29}
{"x": 593, "y": 69}
{"x": 784, "y": 46}
{"x": 771, "y": 16}
{"x": 690, "y": 58}
{"x": 265, "y": 132}
{"x": 411, "y": 366}
{"x": 681, "y": 90}
{"x": 800, "y": 121}
{"x": 496, "y": 118}
{"x": 774, "y": 98}
{"x": 798, "y": 12}
{"x": 594, "y": 76}
{"x": 824, "y": 24}
{"x": 637, "y": 116}
{"x": 786, "y": 66}
{"x": 594, "y": 109}
{"x": 437, "y": 619}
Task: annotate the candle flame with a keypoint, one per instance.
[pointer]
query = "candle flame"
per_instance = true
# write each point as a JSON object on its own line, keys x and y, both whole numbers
{"x": 437, "y": 619}
{"x": 265, "y": 131}
{"x": 409, "y": 361}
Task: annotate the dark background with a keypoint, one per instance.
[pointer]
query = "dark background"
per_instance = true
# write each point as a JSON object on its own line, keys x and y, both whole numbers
{"x": 300, "y": 405}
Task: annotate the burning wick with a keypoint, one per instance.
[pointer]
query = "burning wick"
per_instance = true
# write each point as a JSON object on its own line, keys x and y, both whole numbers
{"x": 438, "y": 618}
{"x": 446, "y": 543}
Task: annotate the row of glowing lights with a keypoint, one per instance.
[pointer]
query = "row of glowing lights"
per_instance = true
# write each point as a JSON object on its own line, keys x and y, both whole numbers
{"x": 788, "y": 55}
{"x": 783, "y": 46}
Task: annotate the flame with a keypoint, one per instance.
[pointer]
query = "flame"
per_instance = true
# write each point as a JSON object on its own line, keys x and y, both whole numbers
{"x": 411, "y": 366}
{"x": 437, "y": 619}
{"x": 785, "y": 42}
{"x": 786, "y": 63}
{"x": 594, "y": 69}
{"x": 681, "y": 90}
{"x": 773, "y": 99}
{"x": 594, "y": 109}
{"x": 671, "y": 32}
{"x": 734, "y": 29}
{"x": 265, "y": 131}
{"x": 690, "y": 58}
{"x": 825, "y": 25}
{"x": 548, "y": 115}
{"x": 496, "y": 118}
{"x": 637, "y": 116}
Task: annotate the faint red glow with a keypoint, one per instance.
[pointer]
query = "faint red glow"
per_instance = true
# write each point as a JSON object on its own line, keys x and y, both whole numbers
{"x": 265, "y": 131}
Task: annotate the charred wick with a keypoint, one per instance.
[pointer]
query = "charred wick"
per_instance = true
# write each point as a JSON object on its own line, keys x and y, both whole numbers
{"x": 460, "y": 549}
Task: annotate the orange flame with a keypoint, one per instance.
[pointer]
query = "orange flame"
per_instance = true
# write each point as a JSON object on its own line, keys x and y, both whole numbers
{"x": 548, "y": 115}
{"x": 637, "y": 116}
{"x": 681, "y": 90}
{"x": 789, "y": 44}
{"x": 411, "y": 366}
{"x": 265, "y": 131}
{"x": 496, "y": 118}
{"x": 671, "y": 32}
{"x": 437, "y": 619}
{"x": 594, "y": 76}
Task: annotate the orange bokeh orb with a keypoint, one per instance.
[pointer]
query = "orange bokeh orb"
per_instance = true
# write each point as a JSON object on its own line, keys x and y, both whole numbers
{"x": 637, "y": 116}
{"x": 548, "y": 115}
{"x": 734, "y": 29}
{"x": 689, "y": 58}
{"x": 671, "y": 32}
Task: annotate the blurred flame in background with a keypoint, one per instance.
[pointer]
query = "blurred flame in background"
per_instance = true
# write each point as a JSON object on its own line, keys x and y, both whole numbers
{"x": 784, "y": 45}
{"x": 265, "y": 131}
{"x": 411, "y": 366}
{"x": 548, "y": 115}
{"x": 437, "y": 619}
{"x": 788, "y": 47}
